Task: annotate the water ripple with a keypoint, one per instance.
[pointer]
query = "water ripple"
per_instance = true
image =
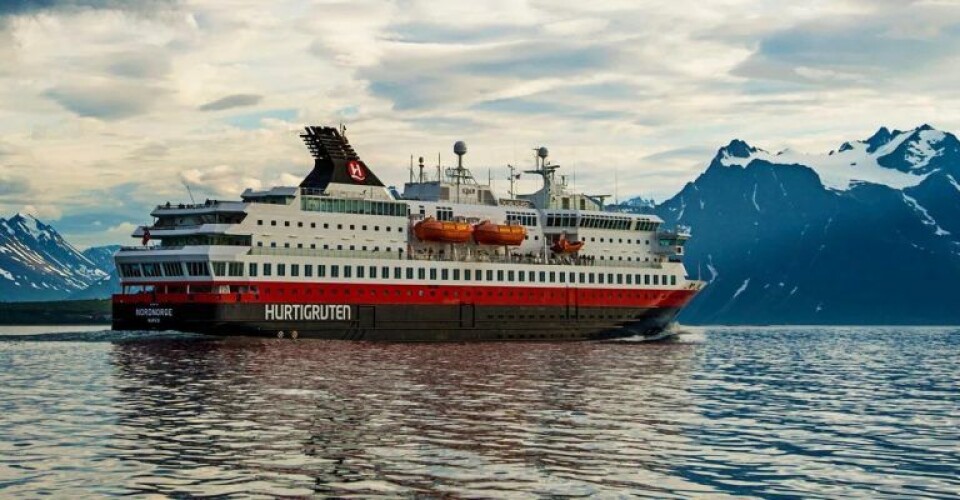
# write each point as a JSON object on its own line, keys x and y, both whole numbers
{"x": 773, "y": 412}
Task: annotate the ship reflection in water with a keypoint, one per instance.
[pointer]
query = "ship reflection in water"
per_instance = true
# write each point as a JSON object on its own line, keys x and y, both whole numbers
{"x": 815, "y": 412}
{"x": 289, "y": 417}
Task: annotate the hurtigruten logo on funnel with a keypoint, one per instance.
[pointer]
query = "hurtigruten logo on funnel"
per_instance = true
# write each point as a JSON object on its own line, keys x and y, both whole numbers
{"x": 356, "y": 171}
{"x": 307, "y": 312}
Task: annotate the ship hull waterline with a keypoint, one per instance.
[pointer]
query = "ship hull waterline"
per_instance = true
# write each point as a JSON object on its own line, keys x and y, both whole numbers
{"x": 399, "y": 323}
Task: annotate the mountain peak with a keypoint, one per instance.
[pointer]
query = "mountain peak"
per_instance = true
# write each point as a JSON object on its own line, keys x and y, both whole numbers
{"x": 879, "y": 139}
{"x": 737, "y": 149}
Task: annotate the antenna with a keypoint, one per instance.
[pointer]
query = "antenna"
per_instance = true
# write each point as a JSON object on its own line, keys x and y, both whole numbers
{"x": 439, "y": 178}
{"x": 411, "y": 169}
{"x": 512, "y": 178}
{"x": 421, "y": 170}
{"x": 189, "y": 192}
{"x": 616, "y": 186}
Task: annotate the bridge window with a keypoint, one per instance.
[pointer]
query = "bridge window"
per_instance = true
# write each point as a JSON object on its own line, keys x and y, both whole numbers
{"x": 421, "y": 273}
{"x": 281, "y": 269}
{"x": 433, "y": 274}
{"x": 294, "y": 269}
{"x": 172, "y": 269}
{"x": 466, "y": 274}
{"x": 267, "y": 269}
{"x": 347, "y": 271}
{"x": 252, "y": 270}
{"x": 308, "y": 270}
{"x": 359, "y": 272}
{"x": 219, "y": 269}
{"x": 198, "y": 269}
{"x": 334, "y": 271}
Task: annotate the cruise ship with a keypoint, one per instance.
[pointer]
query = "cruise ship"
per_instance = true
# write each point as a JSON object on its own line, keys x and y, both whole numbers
{"x": 342, "y": 256}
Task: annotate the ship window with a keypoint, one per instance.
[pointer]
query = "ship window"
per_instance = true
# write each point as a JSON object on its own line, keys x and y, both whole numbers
{"x": 326, "y": 226}
{"x": 286, "y": 245}
{"x": 359, "y": 272}
{"x": 553, "y": 277}
{"x": 352, "y": 227}
{"x": 198, "y": 269}
{"x": 479, "y": 275}
{"x": 376, "y": 228}
{"x": 509, "y": 275}
{"x": 299, "y": 245}
{"x": 353, "y": 247}
{"x": 321, "y": 271}
{"x": 543, "y": 277}
{"x": 673, "y": 280}
{"x": 334, "y": 271}
{"x": 646, "y": 279}
{"x": 294, "y": 269}
{"x": 433, "y": 274}
{"x": 299, "y": 224}
{"x": 252, "y": 270}
{"x": 313, "y": 246}
{"x": 456, "y": 275}
{"x": 532, "y": 276}
{"x": 601, "y": 278}
{"x": 499, "y": 275}
{"x": 522, "y": 275}
{"x": 396, "y": 273}
{"x": 466, "y": 274}
{"x": 629, "y": 279}
{"x": 130, "y": 270}
{"x": 490, "y": 275}
{"x": 259, "y": 243}
{"x": 308, "y": 270}
{"x": 281, "y": 269}
{"x": 399, "y": 229}
{"x": 409, "y": 273}
{"x": 313, "y": 225}
{"x": 172, "y": 269}
{"x": 664, "y": 280}
{"x": 267, "y": 269}
{"x": 259, "y": 222}
{"x": 656, "y": 279}
{"x": 592, "y": 277}
{"x": 364, "y": 227}
{"x": 273, "y": 244}
{"x": 573, "y": 278}
{"x": 619, "y": 279}
{"x": 610, "y": 278}
{"x": 563, "y": 277}
{"x": 235, "y": 269}
{"x": 273, "y": 223}
{"x": 384, "y": 272}
{"x": 421, "y": 273}
{"x": 286, "y": 223}
{"x": 339, "y": 226}
{"x": 637, "y": 278}
{"x": 444, "y": 274}
{"x": 347, "y": 271}
{"x": 389, "y": 228}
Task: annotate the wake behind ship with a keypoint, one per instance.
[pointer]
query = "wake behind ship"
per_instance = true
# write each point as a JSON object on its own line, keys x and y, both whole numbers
{"x": 343, "y": 257}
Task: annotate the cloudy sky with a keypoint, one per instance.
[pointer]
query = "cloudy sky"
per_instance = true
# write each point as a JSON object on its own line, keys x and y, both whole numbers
{"x": 108, "y": 106}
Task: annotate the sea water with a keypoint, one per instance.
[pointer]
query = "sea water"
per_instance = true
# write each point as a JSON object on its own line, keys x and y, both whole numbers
{"x": 810, "y": 412}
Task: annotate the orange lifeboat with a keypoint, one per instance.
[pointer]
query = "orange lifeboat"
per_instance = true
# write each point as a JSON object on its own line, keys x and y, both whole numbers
{"x": 431, "y": 229}
{"x": 563, "y": 245}
{"x": 488, "y": 233}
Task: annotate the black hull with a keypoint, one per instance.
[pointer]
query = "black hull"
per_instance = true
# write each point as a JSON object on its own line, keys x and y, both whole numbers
{"x": 402, "y": 323}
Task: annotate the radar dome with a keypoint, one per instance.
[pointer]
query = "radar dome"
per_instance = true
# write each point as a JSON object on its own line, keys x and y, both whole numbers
{"x": 542, "y": 152}
{"x": 459, "y": 148}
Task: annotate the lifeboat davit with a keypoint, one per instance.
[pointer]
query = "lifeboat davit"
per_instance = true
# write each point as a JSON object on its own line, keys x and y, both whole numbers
{"x": 431, "y": 229}
{"x": 565, "y": 246}
{"x": 488, "y": 233}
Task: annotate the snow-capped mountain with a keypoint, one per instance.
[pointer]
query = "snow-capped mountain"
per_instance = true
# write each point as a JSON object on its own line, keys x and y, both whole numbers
{"x": 36, "y": 263}
{"x": 868, "y": 233}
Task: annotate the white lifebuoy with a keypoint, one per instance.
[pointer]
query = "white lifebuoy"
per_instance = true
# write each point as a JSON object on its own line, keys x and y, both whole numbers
{"x": 280, "y": 334}
{"x": 294, "y": 335}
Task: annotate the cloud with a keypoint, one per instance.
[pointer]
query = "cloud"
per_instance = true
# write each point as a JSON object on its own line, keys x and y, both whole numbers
{"x": 148, "y": 64}
{"x": 232, "y": 101}
{"x": 28, "y": 7}
{"x": 219, "y": 180}
{"x": 43, "y": 212}
{"x": 107, "y": 101}
{"x": 13, "y": 185}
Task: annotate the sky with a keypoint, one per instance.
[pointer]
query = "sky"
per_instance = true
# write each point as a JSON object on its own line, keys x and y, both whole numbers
{"x": 109, "y": 107}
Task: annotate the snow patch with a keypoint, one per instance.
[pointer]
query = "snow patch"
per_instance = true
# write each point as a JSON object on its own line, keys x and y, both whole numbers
{"x": 740, "y": 290}
{"x": 754, "y": 198}
{"x": 843, "y": 170}
{"x": 924, "y": 215}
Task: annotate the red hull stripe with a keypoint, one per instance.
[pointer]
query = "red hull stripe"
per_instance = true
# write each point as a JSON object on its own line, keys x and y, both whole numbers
{"x": 392, "y": 294}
